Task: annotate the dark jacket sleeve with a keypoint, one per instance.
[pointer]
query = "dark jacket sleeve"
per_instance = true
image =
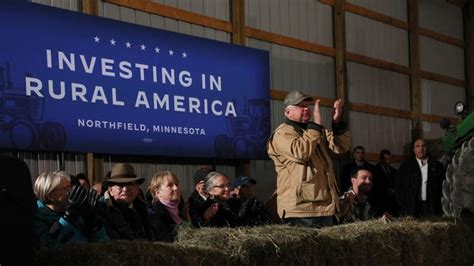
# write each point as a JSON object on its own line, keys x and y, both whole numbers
{"x": 196, "y": 209}
{"x": 400, "y": 186}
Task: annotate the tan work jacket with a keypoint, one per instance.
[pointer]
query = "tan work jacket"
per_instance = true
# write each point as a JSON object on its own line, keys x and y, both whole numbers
{"x": 306, "y": 185}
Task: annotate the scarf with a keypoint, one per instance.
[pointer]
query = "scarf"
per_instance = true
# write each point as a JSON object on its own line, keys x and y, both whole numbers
{"x": 172, "y": 208}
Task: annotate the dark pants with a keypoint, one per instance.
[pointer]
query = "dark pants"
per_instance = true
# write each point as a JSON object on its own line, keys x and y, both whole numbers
{"x": 424, "y": 209}
{"x": 315, "y": 222}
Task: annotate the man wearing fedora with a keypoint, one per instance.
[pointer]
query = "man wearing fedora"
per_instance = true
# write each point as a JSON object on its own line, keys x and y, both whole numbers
{"x": 301, "y": 149}
{"x": 126, "y": 216}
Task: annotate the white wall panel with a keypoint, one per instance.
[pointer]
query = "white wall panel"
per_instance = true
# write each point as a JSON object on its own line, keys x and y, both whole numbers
{"x": 392, "y": 8}
{"x": 219, "y": 9}
{"x": 375, "y": 86}
{"x": 72, "y": 5}
{"x": 376, "y": 132}
{"x": 439, "y": 98}
{"x": 151, "y": 20}
{"x": 277, "y": 113}
{"x": 293, "y": 69}
{"x": 49, "y": 162}
{"x": 263, "y": 171}
{"x": 441, "y": 58}
{"x": 306, "y": 20}
{"x": 109, "y": 11}
{"x": 441, "y": 16}
{"x": 432, "y": 130}
{"x": 375, "y": 39}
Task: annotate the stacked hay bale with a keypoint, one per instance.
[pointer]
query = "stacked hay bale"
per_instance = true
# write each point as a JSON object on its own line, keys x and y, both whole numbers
{"x": 407, "y": 242}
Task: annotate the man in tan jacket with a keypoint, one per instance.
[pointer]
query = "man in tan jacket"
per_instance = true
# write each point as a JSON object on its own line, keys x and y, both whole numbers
{"x": 301, "y": 150}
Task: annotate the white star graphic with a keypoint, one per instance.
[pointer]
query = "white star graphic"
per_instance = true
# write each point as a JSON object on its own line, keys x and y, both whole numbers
{"x": 112, "y": 42}
{"x": 157, "y": 50}
{"x": 185, "y": 55}
{"x": 143, "y": 47}
{"x": 128, "y": 44}
{"x": 171, "y": 52}
{"x": 96, "y": 39}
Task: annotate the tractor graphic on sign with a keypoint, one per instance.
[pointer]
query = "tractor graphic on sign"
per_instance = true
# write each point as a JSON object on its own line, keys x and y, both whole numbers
{"x": 21, "y": 124}
{"x": 248, "y": 133}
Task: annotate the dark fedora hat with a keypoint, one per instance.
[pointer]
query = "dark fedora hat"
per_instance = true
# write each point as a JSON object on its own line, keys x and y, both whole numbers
{"x": 123, "y": 173}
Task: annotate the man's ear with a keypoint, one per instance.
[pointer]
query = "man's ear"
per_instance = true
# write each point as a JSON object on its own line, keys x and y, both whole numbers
{"x": 353, "y": 180}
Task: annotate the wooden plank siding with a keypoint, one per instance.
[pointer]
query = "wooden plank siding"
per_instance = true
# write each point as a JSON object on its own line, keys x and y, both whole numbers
{"x": 206, "y": 21}
{"x": 239, "y": 31}
{"x": 249, "y": 32}
{"x": 174, "y": 13}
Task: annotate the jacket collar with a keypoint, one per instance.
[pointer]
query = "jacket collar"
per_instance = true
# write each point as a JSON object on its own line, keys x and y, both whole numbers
{"x": 296, "y": 125}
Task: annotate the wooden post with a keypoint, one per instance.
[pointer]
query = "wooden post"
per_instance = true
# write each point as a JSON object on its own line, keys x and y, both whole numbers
{"x": 415, "y": 78}
{"x": 238, "y": 22}
{"x": 238, "y": 37}
{"x": 339, "y": 15}
{"x": 90, "y": 7}
{"x": 90, "y": 167}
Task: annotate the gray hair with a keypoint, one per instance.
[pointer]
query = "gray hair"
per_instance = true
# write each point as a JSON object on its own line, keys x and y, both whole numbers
{"x": 210, "y": 180}
{"x": 47, "y": 182}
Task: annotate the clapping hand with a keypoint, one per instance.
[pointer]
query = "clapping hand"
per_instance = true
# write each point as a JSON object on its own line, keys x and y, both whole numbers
{"x": 77, "y": 201}
{"x": 317, "y": 113}
{"x": 337, "y": 110}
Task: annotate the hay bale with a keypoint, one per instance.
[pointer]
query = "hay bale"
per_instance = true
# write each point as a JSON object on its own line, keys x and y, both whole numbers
{"x": 115, "y": 253}
{"x": 407, "y": 241}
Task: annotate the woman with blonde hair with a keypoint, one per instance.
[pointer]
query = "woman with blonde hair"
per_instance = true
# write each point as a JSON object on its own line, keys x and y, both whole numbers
{"x": 65, "y": 214}
{"x": 164, "y": 210}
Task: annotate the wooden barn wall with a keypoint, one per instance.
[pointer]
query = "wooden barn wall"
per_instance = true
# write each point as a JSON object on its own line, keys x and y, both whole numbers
{"x": 300, "y": 37}
{"x": 393, "y": 8}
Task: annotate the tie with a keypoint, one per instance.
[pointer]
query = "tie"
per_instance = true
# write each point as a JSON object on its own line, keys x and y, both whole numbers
{"x": 385, "y": 169}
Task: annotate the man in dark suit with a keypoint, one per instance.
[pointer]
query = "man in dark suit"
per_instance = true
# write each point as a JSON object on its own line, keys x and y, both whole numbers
{"x": 382, "y": 196}
{"x": 418, "y": 183}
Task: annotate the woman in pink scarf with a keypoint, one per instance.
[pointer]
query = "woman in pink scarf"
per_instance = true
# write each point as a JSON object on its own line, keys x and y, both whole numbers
{"x": 164, "y": 211}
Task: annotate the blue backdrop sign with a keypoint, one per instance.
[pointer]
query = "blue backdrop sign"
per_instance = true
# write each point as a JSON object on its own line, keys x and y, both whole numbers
{"x": 74, "y": 82}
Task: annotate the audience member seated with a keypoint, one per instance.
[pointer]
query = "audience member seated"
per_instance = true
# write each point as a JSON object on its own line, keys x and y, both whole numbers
{"x": 197, "y": 200}
{"x": 164, "y": 211}
{"x": 217, "y": 210}
{"x": 359, "y": 160}
{"x": 251, "y": 210}
{"x": 18, "y": 208}
{"x": 83, "y": 181}
{"x": 65, "y": 214}
{"x": 126, "y": 216}
{"x": 354, "y": 205}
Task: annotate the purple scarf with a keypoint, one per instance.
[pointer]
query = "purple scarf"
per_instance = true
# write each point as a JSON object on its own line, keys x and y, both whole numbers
{"x": 172, "y": 208}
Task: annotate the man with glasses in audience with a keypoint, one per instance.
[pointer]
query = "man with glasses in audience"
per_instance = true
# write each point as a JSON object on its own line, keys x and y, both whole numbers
{"x": 301, "y": 149}
{"x": 126, "y": 216}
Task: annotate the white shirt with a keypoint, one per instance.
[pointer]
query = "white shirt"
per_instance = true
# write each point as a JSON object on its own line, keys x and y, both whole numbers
{"x": 424, "y": 177}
